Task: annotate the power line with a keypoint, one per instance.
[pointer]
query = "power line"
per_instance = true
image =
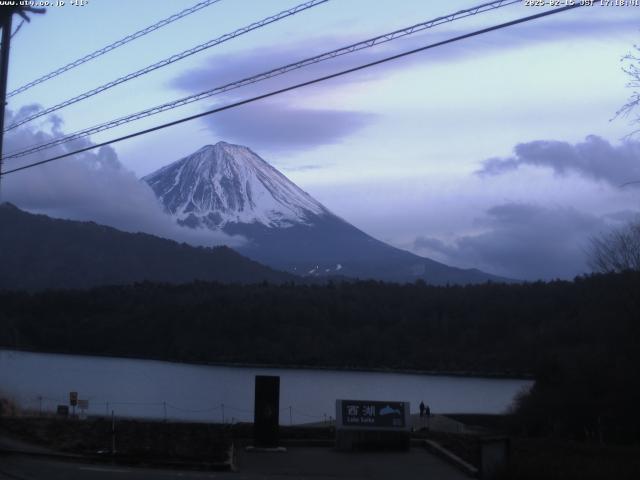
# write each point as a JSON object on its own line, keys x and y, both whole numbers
{"x": 172, "y": 59}
{"x": 13, "y": 35}
{"x": 371, "y": 42}
{"x": 300, "y": 85}
{"x": 112, "y": 46}
{"x": 634, "y": 182}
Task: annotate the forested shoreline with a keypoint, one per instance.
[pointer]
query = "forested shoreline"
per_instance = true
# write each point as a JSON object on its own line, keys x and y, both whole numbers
{"x": 369, "y": 325}
{"x": 579, "y": 338}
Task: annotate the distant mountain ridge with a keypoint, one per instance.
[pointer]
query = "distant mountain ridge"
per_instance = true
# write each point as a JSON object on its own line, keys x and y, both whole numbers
{"x": 39, "y": 252}
{"x": 229, "y": 188}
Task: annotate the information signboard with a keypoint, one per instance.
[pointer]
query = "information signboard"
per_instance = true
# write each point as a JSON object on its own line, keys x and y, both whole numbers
{"x": 362, "y": 424}
{"x": 369, "y": 414}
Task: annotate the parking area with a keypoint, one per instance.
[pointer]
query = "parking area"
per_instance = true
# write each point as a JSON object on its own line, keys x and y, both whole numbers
{"x": 326, "y": 463}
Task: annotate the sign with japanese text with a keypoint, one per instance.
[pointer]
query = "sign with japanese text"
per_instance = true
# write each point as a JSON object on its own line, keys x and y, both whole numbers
{"x": 372, "y": 414}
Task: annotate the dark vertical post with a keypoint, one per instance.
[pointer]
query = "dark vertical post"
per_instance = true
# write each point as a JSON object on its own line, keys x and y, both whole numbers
{"x": 113, "y": 432}
{"x": 4, "y": 70}
{"x": 266, "y": 411}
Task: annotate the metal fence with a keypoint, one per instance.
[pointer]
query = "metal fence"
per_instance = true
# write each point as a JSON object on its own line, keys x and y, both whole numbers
{"x": 41, "y": 405}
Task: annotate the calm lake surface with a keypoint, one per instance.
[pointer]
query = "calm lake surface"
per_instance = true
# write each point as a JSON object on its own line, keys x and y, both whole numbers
{"x": 149, "y": 388}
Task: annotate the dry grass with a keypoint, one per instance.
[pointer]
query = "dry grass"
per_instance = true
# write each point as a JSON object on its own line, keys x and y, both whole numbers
{"x": 8, "y": 407}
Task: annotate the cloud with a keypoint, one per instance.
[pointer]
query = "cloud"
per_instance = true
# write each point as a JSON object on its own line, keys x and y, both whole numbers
{"x": 524, "y": 241}
{"x": 222, "y": 68}
{"x": 93, "y": 186}
{"x": 306, "y": 168}
{"x": 595, "y": 158}
{"x": 277, "y": 126}
{"x": 433, "y": 244}
{"x": 579, "y": 25}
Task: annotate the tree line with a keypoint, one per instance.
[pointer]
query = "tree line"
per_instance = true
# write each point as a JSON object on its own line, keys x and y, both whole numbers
{"x": 579, "y": 338}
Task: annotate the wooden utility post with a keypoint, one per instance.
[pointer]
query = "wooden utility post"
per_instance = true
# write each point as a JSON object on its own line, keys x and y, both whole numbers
{"x": 4, "y": 70}
{"x": 6, "y": 16}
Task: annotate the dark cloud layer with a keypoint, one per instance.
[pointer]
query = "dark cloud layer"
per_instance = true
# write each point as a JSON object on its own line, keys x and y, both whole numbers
{"x": 276, "y": 126}
{"x": 524, "y": 241}
{"x": 93, "y": 186}
{"x": 595, "y": 158}
{"x": 223, "y": 68}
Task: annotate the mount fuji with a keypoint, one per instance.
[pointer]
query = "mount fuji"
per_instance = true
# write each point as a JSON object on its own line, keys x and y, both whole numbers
{"x": 230, "y": 188}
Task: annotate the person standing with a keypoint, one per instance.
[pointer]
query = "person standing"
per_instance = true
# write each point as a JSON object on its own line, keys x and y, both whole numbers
{"x": 427, "y": 413}
{"x": 421, "y": 409}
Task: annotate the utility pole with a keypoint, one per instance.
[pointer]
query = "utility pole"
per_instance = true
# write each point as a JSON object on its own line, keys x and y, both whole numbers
{"x": 4, "y": 70}
{"x": 6, "y": 16}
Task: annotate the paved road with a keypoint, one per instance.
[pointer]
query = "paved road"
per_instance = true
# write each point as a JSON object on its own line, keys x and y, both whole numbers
{"x": 300, "y": 463}
{"x": 325, "y": 463}
{"x": 15, "y": 467}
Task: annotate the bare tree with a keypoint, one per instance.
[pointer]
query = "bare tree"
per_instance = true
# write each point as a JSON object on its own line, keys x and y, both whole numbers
{"x": 620, "y": 249}
{"x": 616, "y": 251}
{"x": 631, "y": 66}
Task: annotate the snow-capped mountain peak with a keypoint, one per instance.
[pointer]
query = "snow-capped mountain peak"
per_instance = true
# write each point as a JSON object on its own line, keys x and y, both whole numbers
{"x": 224, "y": 184}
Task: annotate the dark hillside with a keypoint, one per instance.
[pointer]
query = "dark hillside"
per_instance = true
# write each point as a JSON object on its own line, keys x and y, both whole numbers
{"x": 38, "y": 252}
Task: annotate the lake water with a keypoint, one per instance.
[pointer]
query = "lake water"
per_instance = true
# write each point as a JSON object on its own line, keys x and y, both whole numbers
{"x": 149, "y": 388}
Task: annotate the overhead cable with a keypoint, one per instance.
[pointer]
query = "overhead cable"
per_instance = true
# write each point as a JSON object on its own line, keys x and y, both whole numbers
{"x": 300, "y": 85}
{"x": 371, "y": 42}
{"x": 112, "y": 46}
{"x": 170, "y": 60}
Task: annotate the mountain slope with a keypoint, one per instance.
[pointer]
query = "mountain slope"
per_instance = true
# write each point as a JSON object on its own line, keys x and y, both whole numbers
{"x": 230, "y": 188}
{"x": 38, "y": 252}
{"x": 225, "y": 184}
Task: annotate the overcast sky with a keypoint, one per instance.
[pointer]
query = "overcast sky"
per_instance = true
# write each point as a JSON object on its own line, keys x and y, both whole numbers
{"x": 497, "y": 152}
